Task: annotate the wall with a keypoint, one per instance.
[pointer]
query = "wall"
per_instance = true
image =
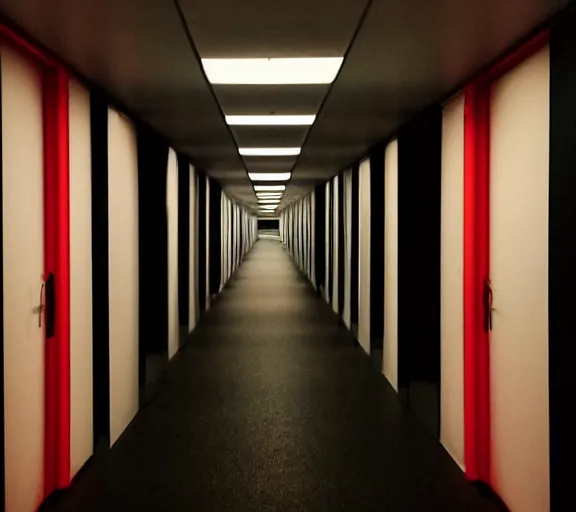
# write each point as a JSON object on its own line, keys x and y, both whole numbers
{"x": 81, "y": 399}
{"x": 347, "y": 232}
{"x": 123, "y": 272}
{"x": 364, "y": 257}
{"x": 192, "y": 251}
{"x": 23, "y": 343}
{"x": 451, "y": 291}
{"x": 172, "y": 219}
{"x": 335, "y": 235}
{"x": 519, "y": 178}
{"x": 390, "y": 352}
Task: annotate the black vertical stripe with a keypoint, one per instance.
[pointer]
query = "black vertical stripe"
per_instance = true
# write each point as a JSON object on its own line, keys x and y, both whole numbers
{"x": 215, "y": 227}
{"x": 419, "y": 174}
{"x": 183, "y": 240}
{"x": 152, "y": 258}
{"x": 201, "y": 230}
{"x": 377, "y": 247}
{"x": 562, "y": 255}
{"x": 100, "y": 272}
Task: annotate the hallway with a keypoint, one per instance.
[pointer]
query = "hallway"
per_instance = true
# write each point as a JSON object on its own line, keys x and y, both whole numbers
{"x": 270, "y": 406}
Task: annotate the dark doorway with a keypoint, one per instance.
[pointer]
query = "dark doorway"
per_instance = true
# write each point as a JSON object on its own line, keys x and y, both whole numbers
{"x": 377, "y": 254}
{"x": 320, "y": 237}
{"x": 183, "y": 245}
{"x": 152, "y": 261}
{"x": 201, "y": 230}
{"x": 419, "y": 175}
{"x": 215, "y": 239}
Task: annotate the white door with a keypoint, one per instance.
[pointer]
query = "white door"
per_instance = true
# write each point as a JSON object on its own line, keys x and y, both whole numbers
{"x": 519, "y": 273}
{"x": 23, "y": 268}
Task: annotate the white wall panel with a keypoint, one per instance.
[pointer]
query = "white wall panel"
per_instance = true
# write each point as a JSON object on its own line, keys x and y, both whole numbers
{"x": 346, "y": 313}
{"x": 390, "y": 353}
{"x": 207, "y": 248}
{"x": 23, "y": 268}
{"x": 335, "y": 236}
{"x": 172, "y": 211}
{"x": 519, "y": 166}
{"x": 364, "y": 256}
{"x": 193, "y": 255}
{"x": 81, "y": 400}
{"x": 223, "y": 241}
{"x": 123, "y": 271}
{"x": 327, "y": 214}
{"x": 313, "y": 236}
{"x": 451, "y": 281}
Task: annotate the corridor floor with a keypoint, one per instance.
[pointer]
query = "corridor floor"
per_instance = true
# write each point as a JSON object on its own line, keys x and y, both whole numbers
{"x": 271, "y": 406}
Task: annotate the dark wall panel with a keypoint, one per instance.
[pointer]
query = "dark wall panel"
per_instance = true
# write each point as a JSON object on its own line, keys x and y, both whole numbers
{"x": 419, "y": 179}
{"x": 562, "y": 255}
{"x": 376, "y": 248}
{"x": 100, "y": 271}
{"x": 152, "y": 258}
{"x": 215, "y": 238}
{"x": 268, "y": 224}
{"x": 201, "y": 228}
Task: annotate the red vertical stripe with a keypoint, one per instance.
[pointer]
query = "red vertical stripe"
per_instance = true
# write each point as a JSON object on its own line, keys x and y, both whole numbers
{"x": 476, "y": 271}
{"x": 57, "y": 261}
{"x": 50, "y": 265}
{"x": 63, "y": 277}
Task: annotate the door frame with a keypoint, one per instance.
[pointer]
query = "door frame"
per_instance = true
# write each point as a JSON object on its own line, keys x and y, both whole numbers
{"x": 477, "y": 435}
{"x": 55, "y": 98}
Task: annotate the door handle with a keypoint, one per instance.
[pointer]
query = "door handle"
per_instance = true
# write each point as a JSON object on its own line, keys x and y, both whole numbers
{"x": 488, "y": 297}
{"x": 50, "y": 305}
{"x": 39, "y": 309}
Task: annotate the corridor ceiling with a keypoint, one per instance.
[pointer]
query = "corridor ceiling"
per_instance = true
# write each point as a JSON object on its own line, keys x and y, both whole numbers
{"x": 399, "y": 57}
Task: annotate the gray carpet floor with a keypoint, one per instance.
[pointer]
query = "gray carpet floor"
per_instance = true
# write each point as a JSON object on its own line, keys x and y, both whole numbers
{"x": 271, "y": 406}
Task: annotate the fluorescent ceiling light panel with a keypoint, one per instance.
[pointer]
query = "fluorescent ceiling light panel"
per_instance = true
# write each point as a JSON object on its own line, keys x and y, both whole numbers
{"x": 268, "y": 195}
{"x": 268, "y": 207}
{"x": 268, "y": 201}
{"x": 269, "y": 176}
{"x": 269, "y": 188}
{"x": 269, "y": 151}
{"x": 305, "y": 70}
{"x": 272, "y": 120}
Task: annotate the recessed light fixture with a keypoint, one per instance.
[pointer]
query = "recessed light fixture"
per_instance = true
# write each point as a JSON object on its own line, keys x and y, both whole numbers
{"x": 305, "y": 70}
{"x": 268, "y": 195}
{"x": 272, "y": 120}
{"x": 268, "y": 207}
{"x": 269, "y": 188}
{"x": 269, "y": 151}
{"x": 269, "y": 176}
{"x": 268, "y": 201}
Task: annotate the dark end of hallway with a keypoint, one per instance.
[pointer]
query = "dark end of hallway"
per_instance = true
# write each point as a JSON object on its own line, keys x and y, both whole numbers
{"x": 271, "y": 406}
